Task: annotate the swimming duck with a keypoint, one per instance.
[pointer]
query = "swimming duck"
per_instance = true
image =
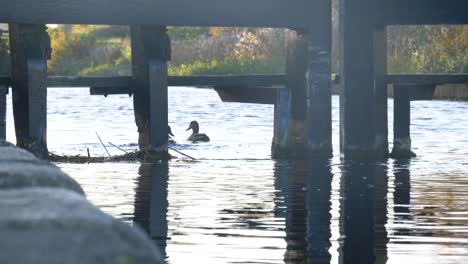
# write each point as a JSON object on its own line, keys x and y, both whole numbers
{"x": 195, "y": 135}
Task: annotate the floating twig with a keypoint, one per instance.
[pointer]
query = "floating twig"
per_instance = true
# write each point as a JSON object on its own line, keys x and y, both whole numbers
{"x": 103, "y": 144}
{"x": 181, "y": 153}
{"x": 115, "y": 146}
{"x": 89, "y": 156}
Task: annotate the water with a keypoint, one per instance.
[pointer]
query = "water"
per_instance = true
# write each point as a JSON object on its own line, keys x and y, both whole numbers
{"x": 237, "y": 205}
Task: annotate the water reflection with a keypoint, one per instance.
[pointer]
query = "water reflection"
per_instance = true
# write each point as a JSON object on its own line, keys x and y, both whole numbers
{"x": 401, "y": 197}
{"x": 363, "y": 215}
{"x": 304, "y": 199}
{"x": 151, "y": 203}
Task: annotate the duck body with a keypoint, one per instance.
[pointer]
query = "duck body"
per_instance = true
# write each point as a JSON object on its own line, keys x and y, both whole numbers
{"x": 197, "y": 137}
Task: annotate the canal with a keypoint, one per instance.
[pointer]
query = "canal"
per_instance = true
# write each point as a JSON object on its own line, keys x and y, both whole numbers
{"x": 234, "y": 204}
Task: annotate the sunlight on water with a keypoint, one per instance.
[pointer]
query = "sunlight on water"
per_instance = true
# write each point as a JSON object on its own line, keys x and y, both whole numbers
{"x": 237, "y": 205}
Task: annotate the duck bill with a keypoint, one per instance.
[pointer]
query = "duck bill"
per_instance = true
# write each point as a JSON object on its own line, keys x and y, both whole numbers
{"x": 188, "y": 128}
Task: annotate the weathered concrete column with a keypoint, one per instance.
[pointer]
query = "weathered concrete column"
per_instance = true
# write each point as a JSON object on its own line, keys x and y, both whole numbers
{"x": 319, "y": 128}
{"x": 380, "y": 90}
{"x": 357, "y": 22}
{"x": 150, "y": 52}
{"x": 30, "y": 50}
{"x": 3, "y": 93}
{"x": 289, "y": 138}
{"x": 401, "y": 123}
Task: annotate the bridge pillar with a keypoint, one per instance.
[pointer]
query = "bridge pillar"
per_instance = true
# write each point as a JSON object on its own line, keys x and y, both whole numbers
{"x": 151, "y": 51}
{"x": 362, "y": 90}
{"x": 401, "y": 123}
{"x": 3, "y": 93}
{"x": 289, "y": 138}
{"x": 319, "y": 112}
{"x": 380, "y": 90}
{"x": 30, "y": 50}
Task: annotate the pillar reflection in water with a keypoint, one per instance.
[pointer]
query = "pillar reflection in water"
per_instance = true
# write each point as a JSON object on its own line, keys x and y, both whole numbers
{"x": 401, "y": 196}
{"x": 303, "y": 199}
{"x": 363, "y": 213}
{"x": 151, "y": 204}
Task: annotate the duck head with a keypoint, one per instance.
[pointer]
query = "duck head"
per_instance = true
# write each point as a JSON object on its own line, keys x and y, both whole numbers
{"x": 194, "y": 126}
{"x": 169, "y": 131}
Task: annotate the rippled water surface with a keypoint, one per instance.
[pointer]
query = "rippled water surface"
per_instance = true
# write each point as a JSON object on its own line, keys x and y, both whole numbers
{"x": 234, "y": 204}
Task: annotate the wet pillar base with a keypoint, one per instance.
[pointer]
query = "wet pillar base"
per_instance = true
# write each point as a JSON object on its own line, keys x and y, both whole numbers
{"x": 401, "y": 123}
{"x": 151, "y": 51}
{"x": 289, "y": 139}
{"x": 29, "y": 50}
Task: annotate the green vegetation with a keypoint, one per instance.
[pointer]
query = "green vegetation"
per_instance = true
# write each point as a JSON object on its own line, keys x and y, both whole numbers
{"x": 4, "y": 57}
{"x": 442, "y": 49}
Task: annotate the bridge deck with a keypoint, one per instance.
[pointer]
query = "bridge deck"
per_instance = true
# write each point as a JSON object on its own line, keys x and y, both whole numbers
{"x": 244, "y": 13}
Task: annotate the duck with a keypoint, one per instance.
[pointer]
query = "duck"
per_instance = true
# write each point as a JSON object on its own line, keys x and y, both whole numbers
{"x": 196, "y": 137}
{"x": 170, "y": 135}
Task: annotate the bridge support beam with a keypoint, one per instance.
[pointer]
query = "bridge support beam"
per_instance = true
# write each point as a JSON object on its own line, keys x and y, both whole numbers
{"x": 319, "y": 113}
{"x": 30, "y": 49}
{"x": 380, "y": 90}
{"x": 150, "y": 53}
{"x": 401, "y": 123}
{"x": 289, "y": 138}
{"x": 3, "y": 93}
{"x": 362, "y": 84}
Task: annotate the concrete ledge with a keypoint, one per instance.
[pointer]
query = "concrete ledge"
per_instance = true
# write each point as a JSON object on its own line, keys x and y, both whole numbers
{"x": 11, "y": 153}
{"x": 50, "y": 225}
{"x": 22, "y": 174}
{"x": 46, "y": 219}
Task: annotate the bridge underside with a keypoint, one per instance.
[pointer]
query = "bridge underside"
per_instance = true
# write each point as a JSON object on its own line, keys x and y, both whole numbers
{"x": 294, "y": 14}
{"x": 302, "y": 110}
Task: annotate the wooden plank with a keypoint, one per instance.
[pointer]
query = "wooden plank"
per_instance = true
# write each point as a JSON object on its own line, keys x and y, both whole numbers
{"x": 5, "y": 80}
{"x": 424, "y": 12}
{"x": 258, "y": 80}
{"x": 427, "y": 78}
{"x": 81, "y": 81}
{"x": 254, "y": 95}
{"x": 242, "y": 13}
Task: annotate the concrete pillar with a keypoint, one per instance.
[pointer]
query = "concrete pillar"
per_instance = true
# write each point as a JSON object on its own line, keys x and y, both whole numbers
{"x": 30, "y": 49}
{"x": 401, "y": 123}
{"x": 150, "y": 53}
{"x": 380, "y": 91}
{"x": 3, "y": 93}
{"x": 319, "y": 128}
{"x": 289, "y": 138}
{"x": 357, "y": 23}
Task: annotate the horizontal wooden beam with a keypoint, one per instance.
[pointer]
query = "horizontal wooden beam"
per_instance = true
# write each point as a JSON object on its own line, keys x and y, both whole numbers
{"x": 420, "y": 12}
{"x": 242, "y": 13}
{"x": 5, "y": 81}
{"x": 81, "y": 81}
{"x": 427, "y": 78}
